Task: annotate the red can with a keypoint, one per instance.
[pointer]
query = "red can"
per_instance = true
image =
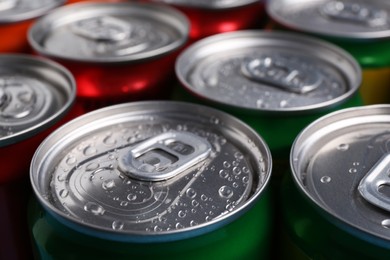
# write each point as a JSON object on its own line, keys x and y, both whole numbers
{"x": 118, "y": 52}
{"x": 210, "y": 17}
{"x": 15, "y": 18}
{"x": 36, "y": 96}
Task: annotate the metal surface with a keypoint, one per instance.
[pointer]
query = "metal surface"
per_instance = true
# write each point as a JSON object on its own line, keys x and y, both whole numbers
{"x": 209, "y": 4}
{"x": 151, "y": 171}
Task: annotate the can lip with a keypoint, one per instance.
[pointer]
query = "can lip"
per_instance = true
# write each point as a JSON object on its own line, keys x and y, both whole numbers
{"x": 52, "y": 119}
{"x": 262, "y": 38}
{"x": 301, "y": 156}
{"x": 331, "y": 28}
{"x": 39, "y": 165}
{"x": 66, "y": 14}
{"x": 29, "y": 14}
{"x": 210, "y": 5}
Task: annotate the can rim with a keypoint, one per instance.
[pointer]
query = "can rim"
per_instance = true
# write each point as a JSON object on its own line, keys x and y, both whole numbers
{"x": 44, "y": 25}
{"x": 46, "y": 123}
{"x": 263, "y": 35}
{"x": 39, "y": 164}
{"x": 213, "y": 7}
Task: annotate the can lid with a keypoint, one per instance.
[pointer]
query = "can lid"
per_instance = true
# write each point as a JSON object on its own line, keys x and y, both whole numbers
{"x": 345, "y": 155}
{"x": 151, "y": 171}
{"x": 109, "y": 32}
{"x": 354, "y": 19}
{"x": 210, "y": 4}
{"x": 19, "y": 10}
{"x": 34, "y": 92}
{"x": 268, "y": 71}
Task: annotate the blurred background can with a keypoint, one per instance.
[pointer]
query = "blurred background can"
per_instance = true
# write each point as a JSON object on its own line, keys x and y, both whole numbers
{"x": 117, "y": 52}
{"x": 36, "y": 95}
{"x": 208, "y": 17}
{"x": 336, "y": 202}
{"x": 277, "y": 82}
{"x": 360, "y": 27}
{"x": 152, "y": 179}
{"x": 15, "y": 18}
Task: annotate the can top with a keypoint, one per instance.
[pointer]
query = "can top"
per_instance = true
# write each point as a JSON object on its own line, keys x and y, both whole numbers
{"x": 19, "y": 10}
{"x": 268, "y": 71}
{"x": 151, "y": 171}
{"x": 348, "y": 19}
{"x": 34, "y": 92}
{"x": 346, "y": 155}
{"x": 209, "y": 4}
{"x": 109, "y": 32}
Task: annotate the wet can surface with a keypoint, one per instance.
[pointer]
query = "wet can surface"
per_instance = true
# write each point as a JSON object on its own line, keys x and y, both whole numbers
{"x": 117, "y": 51}
{"x": 276, "y": 82}
{"x": 218, "y": 16}
{"x": 15, "y": 18}
{"x": 148, "y": 179}
{"x": 35, "y": 95}
{"x": 343, "y": 155}
{"x": 360, "y": 27}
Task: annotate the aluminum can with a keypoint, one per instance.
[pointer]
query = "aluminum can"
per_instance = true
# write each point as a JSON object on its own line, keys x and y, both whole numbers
{"x": 360, "y": 27}
{"x": 15, "y": 18}
{"x": 276, "y": 82}
{"x": 210, "y": 17}
{"x": 36, "y": 95}
{"x": 339, "y": 186}
{"x": 152, "y": 179}
{"x": 117, "y": 51}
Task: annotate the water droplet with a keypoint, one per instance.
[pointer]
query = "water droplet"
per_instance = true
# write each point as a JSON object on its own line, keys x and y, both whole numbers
{"x": 203, "y": 197}
{"x": 245, "y": 169}
{"x": 181, "y": 214}
{"x": 325, "y": 179}
{"x": 214, "y": 120}
{"x": 235, "y": 185}
{"x": 224, "y": 173}
{"x": 64, "y": 193}
{"x": 179, "y": 226}
{"x": 194, "y": 203}
{"x": 193, "y": 223}
{"x": 355, "y": 163}
{"x": 157, "y": 229}
{"x": 61, "y": 177}
{"x": 117, "y": 225}
{"x": 109, "y": 140}
{"x": 124, "y": 203}
{"x": 92, "y": 166}
{"x": 386, "y": 223}
{"x": 226, "y": 164}
{"x": 229, "y": 207}
{"x": 283, "y": 103}
{"x": 236, "y": 171}
{"x": 131, "y": 197}
{"x": 245, "y": 179}
{"x": 191, "y": 193}
{"x": 222, "y": 141}
{"x": 94, "y": 208}
{"x": 89, "y": 150}
{"x": 225, "y": 192}
{"x": 108, "y": 184}
{"x": 238, "y": 156}
{"x": 71, "y": 160}
{"x": 343, "y": 147}
{"x": 352, "y": 170}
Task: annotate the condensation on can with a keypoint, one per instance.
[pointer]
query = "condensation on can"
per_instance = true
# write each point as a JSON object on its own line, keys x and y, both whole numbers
{"x": 15, "y": 18}
{"x": 117, "y": 51}
{"x": 343, "y": 155}
{"x": 155, "y": 174}
{"x": 360, "y": 27}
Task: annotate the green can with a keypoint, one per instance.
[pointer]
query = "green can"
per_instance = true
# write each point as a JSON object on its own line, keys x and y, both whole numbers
{"x": 336, "y": 202}
{"x": 277, "y": 82}
{"x": 153, "y": 179}
{"x": 359, "y": 26}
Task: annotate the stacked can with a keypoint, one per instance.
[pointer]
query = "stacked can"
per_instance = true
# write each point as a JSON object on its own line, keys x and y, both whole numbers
{"x": 152, "y": 179}
{"x": 336, "y": 205}
{"x": 276, "y": 82}
{"x": 117, "y": 51}
{"x": 15, "y": 18}
{"x": 210, "y": 17}
{"x": 35, "y": 95}
{"x": 360, "y": 27}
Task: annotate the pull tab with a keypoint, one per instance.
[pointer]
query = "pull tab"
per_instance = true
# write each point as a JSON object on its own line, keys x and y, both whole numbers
{"x": 372, "y": 186}
{"x": 282, "y": 73}
{"x": 17, "y": 100}
{"x": 107, "y": 28}
{"x": 7, "y": 4}
{"x": 164, "y": 156}
{"x": 355, "y": 13}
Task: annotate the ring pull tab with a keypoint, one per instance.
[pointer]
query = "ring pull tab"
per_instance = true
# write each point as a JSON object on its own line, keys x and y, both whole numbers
{"x": 282, "y": 73}
{"x": 164, "y": 156}
{"x": 374, "y": 184}
{"x": 355, "y": 13}
{"x": 103, "y": 29}
{"x": 7, "y": 4}
{"x": 17, "y": 100}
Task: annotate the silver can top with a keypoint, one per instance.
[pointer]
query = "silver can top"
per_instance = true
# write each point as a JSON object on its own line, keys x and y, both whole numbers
{"x": 210, "y": 4}
{"x": 109, "y": 32}
{"x": 345, "y": 155}
{"x": 355, "y": 19}
{"x": 34, "y": 93}
{"x": 268, "y": 71}
{"x": 19, "y": 10}
{"x": 151, "y": 171}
